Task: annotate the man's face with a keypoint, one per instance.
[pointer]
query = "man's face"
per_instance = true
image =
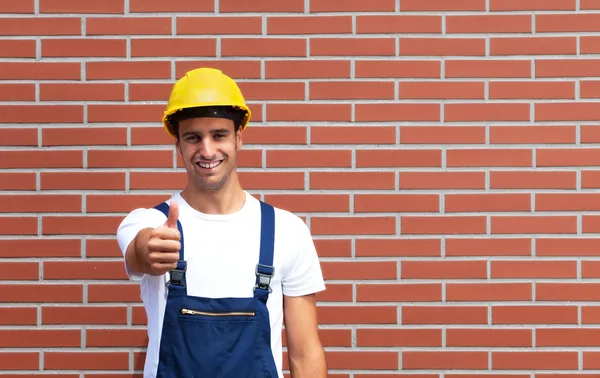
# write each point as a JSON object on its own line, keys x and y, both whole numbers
{"x": 208, "y": 148}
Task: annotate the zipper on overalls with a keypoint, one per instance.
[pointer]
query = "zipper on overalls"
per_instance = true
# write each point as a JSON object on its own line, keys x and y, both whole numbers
{"x": 186, "y": 311}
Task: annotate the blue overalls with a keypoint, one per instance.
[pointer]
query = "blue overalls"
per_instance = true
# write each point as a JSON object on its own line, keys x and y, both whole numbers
{"x": 219, "y": 337}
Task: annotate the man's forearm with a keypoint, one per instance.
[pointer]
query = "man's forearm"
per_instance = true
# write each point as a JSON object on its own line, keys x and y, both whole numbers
{"x": 134, "y": 253}
{"x": 309, "y": 365}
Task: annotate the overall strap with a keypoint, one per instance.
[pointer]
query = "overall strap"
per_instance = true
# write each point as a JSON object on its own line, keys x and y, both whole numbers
{"x": 265, "y": 269}
{"x": 177, "y": 275}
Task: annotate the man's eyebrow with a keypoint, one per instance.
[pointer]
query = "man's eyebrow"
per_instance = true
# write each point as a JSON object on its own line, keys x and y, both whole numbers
{"x": 213, "y": 131}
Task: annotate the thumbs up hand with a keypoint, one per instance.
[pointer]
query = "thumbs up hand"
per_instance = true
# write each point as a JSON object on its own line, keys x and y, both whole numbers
{"x": 164, "y": 245}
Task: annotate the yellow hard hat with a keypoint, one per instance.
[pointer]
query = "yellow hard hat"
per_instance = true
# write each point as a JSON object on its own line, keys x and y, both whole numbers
{"x": 205, "y": 87}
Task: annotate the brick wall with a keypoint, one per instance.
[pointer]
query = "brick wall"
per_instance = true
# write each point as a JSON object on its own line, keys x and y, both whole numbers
{"x": 443, "y": 152}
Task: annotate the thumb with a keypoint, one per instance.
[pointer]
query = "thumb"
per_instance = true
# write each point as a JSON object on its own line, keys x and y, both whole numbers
{"x": 173, "y": 215}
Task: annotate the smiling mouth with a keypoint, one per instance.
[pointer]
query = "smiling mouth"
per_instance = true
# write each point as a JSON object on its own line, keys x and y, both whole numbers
{"x": 209, "y": 165}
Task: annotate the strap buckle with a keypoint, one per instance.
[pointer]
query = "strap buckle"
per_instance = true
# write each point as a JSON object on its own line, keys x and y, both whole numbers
{"x": 263, "y": 277}
{"x": 177, "y": 275}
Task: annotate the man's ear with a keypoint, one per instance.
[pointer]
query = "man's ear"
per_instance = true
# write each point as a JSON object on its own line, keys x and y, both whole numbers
{"x": 238, "y": 139}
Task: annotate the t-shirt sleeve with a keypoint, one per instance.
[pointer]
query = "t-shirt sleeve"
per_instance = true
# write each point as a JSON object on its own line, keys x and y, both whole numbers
{"x": 303, "y": 274}
{"x": 133, "y": 223}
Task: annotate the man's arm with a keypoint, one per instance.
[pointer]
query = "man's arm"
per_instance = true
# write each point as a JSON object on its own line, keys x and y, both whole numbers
{"x": 306, "y": 354}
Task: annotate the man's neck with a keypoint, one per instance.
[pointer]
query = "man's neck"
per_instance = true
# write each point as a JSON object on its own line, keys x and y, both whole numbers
{"x": 227, "y": 200}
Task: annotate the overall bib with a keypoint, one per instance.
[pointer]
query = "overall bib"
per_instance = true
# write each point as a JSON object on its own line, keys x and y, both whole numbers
{"x": 219, "y": 337}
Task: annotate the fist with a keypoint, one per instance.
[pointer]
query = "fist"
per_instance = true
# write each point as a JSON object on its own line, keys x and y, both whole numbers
{"x": 163, "y": 245}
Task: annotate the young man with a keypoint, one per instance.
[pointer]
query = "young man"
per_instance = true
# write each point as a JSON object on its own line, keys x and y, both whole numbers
{"x": 219, "y": 270}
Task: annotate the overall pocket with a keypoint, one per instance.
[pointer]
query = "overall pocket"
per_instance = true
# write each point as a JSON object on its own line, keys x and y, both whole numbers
{"x": 221, "y": 344}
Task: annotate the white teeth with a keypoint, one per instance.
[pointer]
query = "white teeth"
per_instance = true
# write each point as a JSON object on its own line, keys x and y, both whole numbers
{"x": 209, "y": 165}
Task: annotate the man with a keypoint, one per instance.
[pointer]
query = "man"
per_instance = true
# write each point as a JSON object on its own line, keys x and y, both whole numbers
{"x": 219, "y": 270}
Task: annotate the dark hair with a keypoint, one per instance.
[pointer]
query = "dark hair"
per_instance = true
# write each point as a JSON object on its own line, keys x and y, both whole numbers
{"x": 235, "y": 114}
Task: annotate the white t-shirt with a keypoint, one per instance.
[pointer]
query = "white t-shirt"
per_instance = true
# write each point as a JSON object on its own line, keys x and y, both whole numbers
{"x": 221, "y": 253}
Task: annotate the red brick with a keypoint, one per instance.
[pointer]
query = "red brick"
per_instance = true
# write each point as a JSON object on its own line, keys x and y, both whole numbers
{"x": 444, "y": 360}
{"x": 444, "y": 270}
{"x": 534, "y": 269}
{"x": 531, "y": 5}
{"x": 488, "y": 69}
{"x": 364, "y": 270}
{"x": 406, "y": 24}
{"x": 446, "y": 46}
{"x": 128, "y": 70}
{"x": 25, "y": 6}
{"x": 124, "y": 113}
{"x": 353, "y": 135}
{"x": 187, "y": 47}
{"x": 307, "y": 69}
{"x": 354, "y": 225}
{"x": 333, "y": 247}
{"x": 365, "y": 46}
{"x": 84, "y": 315}
{"x": 489, "y": 338}
{"x": 363, "y": 360}
{"x": 372, "y": 247}
{"x": 18, "y": 137}
{"x": 488, "y": 23}
{"x": 236, "y": 69}
{"x": 84, "y": 270}
{"x": 532, "y": 90}
{"x": 19, "y": 360}
{"x": 534, "y": 314}
{"x": 276, "y": 47}
{"x": 532, "y": 134}
{"x": 84, "y": 136}
{"x": 533, "y": 360}
{"x": 423, "y": 314}
{"x": 442, "y": 180}
{"x": 398, "y": 68}
{"x": 93, "y": 225}
{"x": 533, "y": 224}
{"x": 568, "y": 291}
{"x": 396, "y": 202}
{"x": 488, "y": 292}
{"x": 317, "y": 6}
{"x": 488, "y": 247}
{"x": 486, "y": 112}
{"x": 488, "y": 202}
{"x": 310, "y": 202}
{"x": 102, "y": 248}
{"x": 442, "y": 5}
{"x": 441, "y": 90}
{"x": 82, "y": 180}
{"x": 405, "y": 292}
{"x": 351, "y": 180}
{"x": 115, "y": 293}
{"x": 18, "y": 225}
{"x": 235, "y": 6}
{"x": 398, "y": 158}
{"x": 433, "y": 225}
{"x": 40, "y": 26}
{"x": 504, "y": 46}
{"x": 309, "y": 158}
{"x": 17, "y": 48}
{"x": 309, "y": 25}
{"x": 75, "y": 6}
{"x": 489, "y": 158}
{"x": 153, "y": 6}
{"x": 86, "y": 360}
{"x": 18, "y": 316}
{"x": 84, "y": 48}
{"x": 41, "y": 338}
{"x": 137, "y": 338}
{"x": 532, "y": 180}
{"x": 128, "y": 25}
{"x": 309, "y": 112}
{"x": 272, "y": 91}
{"x": 378, "y": 337}
{"x": 82, "y": 92}
{"x": 35, "y": 293}
{"x": 17, "y": 92}
{"x": 332, "y": 90}
{"x": 27, "y": 248}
